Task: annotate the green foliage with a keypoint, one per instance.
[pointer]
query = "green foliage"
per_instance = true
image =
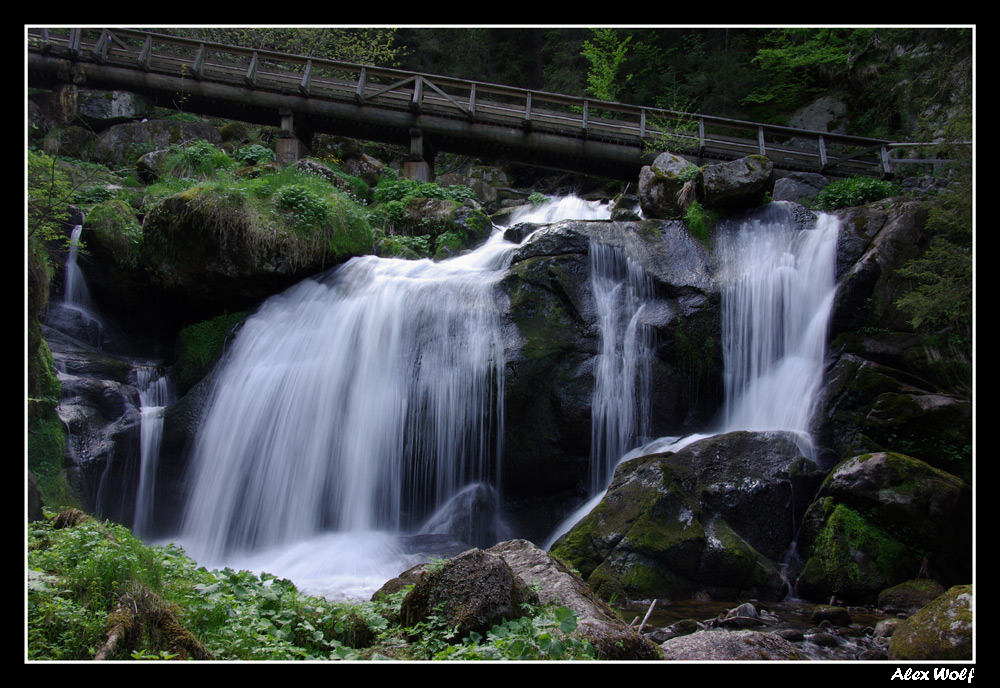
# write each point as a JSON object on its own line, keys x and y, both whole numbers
{"x": 700, "y": 221}
{"x": 373, "y": 46}
{"x": 854, "y": 191}
{"x": 49, "y": 193}
{"x": 542, "y": 634}
{"x": 606, "y": 53}
{"x": 537, "y": 198}
{"x": 77, "y": 575}
{"x": 115, "y": 223}
{"x": 199, "y": 346}
{"x": 799, "y": 62}
{"x": 392, "y": 188}
{"x": 941, "y": 299}
{"x": 200, "y": 160}
{"x": 254, "y": 154}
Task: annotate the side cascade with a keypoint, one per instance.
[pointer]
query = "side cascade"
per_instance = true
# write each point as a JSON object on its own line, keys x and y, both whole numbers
{"x": 620, "y": 410}
{"x": 778, "y": 285}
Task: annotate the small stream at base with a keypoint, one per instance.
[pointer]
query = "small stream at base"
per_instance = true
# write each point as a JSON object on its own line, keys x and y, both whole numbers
{"x": 791, "y": 614}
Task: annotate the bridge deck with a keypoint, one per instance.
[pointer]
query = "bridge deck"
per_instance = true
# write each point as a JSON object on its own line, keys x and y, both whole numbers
{"x": 613, "y": 139}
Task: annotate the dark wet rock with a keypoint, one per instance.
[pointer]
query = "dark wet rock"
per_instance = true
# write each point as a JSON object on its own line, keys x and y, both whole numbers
{"x": 698, "y": 521}
{"x": 796, "y": 186}
{"x": 737, "y": 183}
{"x": 824, "y": 639}
{"x": 875, "y": 518}
{"x": 838, "y": 616}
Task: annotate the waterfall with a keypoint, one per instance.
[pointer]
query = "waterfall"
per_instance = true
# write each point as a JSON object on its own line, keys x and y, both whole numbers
{"x": 562, "y": 208}
{"x": 620, "y": 406}
{"x": 359, "y": 401}
{"x": 778, "y": 285}
{"x": 74, "y": 289}
{"x": 154, "y": 396}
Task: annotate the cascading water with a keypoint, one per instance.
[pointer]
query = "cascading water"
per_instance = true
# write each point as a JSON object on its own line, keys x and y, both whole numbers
{"x": 620, "y": 407}
{"x": 358, "y": 402}
{"x": 778, "y": 289}
{"x": 154, "y": 397}
{"x": 562, "y": 208}
{"x": 620, "y": 404}
{"x": 778, "y": 285}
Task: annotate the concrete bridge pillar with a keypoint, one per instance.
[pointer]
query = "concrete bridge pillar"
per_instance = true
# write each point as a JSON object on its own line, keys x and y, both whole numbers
{"x": 420, "y": 164}
{"x": 289, "y": 146}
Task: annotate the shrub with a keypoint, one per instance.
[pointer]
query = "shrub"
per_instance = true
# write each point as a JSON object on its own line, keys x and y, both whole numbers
{"x": 699, "y": 221}
{"x": 254, "y": 154}
{"x": 199, "y": 159}
{"x": 844, "y": 193}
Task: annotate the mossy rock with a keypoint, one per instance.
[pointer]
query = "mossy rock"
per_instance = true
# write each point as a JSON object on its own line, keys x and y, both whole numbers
{"x": 853, "y": 558}
{"x": 910, "y": 596}
{"x": 199, "y": 346}
{"x": 940, "y": 631}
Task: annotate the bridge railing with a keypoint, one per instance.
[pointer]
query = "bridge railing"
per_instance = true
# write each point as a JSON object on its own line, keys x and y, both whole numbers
{"x": 647, "y": 129}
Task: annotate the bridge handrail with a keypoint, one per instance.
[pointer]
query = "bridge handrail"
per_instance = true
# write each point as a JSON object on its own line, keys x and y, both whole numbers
{"x": 650, "y": 121}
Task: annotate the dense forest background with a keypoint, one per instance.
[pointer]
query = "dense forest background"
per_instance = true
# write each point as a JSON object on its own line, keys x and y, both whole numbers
{"x": 894, "y": 81}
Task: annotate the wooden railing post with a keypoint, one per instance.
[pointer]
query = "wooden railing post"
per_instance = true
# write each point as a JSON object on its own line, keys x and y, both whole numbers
{"x": 251, "y": 76}
{"x": 199, "y": 62}
{"x": 472, "y": 102}
{"x": 418, "y": 95}
{"x": 359, "y": 96}
{"x": 701, "y": 136}
{"x": 822, "y": 153}
{"x": 304, "y": 84}
{"x": 74, "y": 40}
{"x": 146, "y": 54}
{"x": 100, "y": 51}
{"x": 760, "y": 140}
{"x": 586, "y": 115}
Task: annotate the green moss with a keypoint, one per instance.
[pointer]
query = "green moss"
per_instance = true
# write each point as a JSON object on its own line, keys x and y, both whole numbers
{"x": 116, "y": 227}
{"x": 199, "y": 347}
{"x": 854, "y": 558}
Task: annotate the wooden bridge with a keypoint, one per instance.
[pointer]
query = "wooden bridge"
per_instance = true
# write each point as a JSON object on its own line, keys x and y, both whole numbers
{"x": 429, "y": 113}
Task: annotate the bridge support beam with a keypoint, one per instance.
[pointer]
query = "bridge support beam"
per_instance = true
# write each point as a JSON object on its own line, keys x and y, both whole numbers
{"x": 289, "y": 147}
{"x": 419, "y": 166}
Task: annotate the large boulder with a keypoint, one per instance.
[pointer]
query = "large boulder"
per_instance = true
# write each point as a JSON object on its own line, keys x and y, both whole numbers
{"x": 880, "y": 519}
{"x": 940, "y": 631}
{"x": 874, "y": 406}
{"x": 796, "y": 186}
{"x": 705, "y": 520}
{"x": 660, "y": 183}
{"x": 122, "y": 144}
{"x": 737, "y": 183}
{"x": 471, "y": 592}
{"x": 553, "y": 341}
{"x": 205, "y": 254}
{"x": 708, "y": 646}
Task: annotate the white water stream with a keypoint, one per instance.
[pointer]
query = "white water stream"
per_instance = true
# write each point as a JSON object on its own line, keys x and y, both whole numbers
{"x": 354, "y": 412}
{"x": 778, "y": 285}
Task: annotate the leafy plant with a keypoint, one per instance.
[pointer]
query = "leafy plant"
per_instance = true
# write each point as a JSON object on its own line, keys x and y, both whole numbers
{"x": 254, "y": 154}
{"x": 536, "y": 199}
{"x": 855, "y": 191}
{"x": 606, "y": 54}
{"x": 700, "y": 221}
{"x": 200, "y": 159}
